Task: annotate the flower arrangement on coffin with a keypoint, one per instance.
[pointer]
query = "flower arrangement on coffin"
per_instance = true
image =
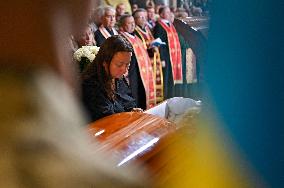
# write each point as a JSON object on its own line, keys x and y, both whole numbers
{"x": 85, "y": 55}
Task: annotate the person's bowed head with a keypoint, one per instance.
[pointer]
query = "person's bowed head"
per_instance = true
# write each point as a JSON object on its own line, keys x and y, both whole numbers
{"x": 114, "y": 57}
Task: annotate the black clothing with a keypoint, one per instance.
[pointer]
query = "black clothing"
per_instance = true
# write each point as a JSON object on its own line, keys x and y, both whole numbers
{"x": 160, "y": 32}
{"x": 136, "y": 84}
{"x": 96, "y": 101}
{"x": 99, "y": 38}
{"x": 197, "y": 42}
{"x": 110, "y": 31}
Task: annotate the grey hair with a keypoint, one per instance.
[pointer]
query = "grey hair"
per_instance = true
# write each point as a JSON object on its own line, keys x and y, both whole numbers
{"x": 105, "y": 9}
{"x": 99, "y": 12}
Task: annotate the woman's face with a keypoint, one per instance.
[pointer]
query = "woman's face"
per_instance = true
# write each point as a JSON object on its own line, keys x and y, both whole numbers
{"x": 119, "y": 64}
{"x": 87, "y": 38}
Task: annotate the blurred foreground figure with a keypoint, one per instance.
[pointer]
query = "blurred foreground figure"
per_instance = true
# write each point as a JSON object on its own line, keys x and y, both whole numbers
{"x": 237, "y": 141}
{"x": 244, "y": 74}
{"x": 41, "y": 142}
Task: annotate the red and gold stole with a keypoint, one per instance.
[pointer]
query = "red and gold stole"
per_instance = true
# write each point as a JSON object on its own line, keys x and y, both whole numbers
{"x": 145, "y": 68}
{"x": 175, "y": 51}
{"x": 105, "y": 33}
{"x": 147, "y": 38}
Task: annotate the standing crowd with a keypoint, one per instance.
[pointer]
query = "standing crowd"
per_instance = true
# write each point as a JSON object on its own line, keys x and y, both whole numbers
{"x": 142, "y": 60}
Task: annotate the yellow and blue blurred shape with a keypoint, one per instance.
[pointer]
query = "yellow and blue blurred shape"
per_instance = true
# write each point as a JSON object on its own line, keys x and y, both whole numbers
{"x": 202, "y": 155}
{"x": 238, "y": 140}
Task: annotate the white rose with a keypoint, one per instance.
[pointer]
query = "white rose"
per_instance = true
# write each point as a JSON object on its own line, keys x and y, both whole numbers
{"x": 89, "y": 52}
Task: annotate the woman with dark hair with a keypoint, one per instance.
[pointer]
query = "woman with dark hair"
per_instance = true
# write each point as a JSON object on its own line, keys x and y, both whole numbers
{"x": 105, "y": 89}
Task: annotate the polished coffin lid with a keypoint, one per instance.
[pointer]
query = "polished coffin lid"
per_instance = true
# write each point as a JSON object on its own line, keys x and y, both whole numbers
{"x": 131, "y": 136}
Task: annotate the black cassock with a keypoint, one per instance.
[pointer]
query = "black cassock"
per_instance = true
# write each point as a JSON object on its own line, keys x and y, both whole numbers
{"x": 159, "y": 32}
{"x": 96, "y": 101}
{"x": 136, "y": 84}
{"x": 99, "y": 38}
{"x": 197, "y": 42}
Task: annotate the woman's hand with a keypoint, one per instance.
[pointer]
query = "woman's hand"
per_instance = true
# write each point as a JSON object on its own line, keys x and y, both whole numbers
{"x": 137, "y": 110}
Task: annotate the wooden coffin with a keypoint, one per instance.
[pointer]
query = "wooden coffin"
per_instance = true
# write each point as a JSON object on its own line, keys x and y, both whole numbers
{"x": 134, "y": 136}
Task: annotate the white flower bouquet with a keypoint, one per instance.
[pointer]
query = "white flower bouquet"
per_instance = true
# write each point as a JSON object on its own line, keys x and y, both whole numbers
{"x": 86, "y": 55}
